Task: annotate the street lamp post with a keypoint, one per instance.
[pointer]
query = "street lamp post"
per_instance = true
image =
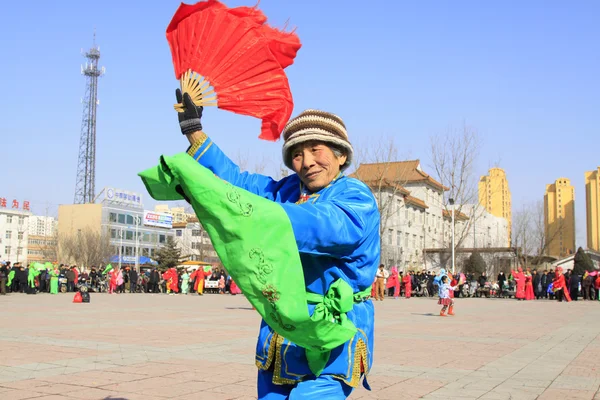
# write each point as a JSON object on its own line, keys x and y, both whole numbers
{"x": 120, "y": 247}
{"x": 452, "y": 204}
{"x": 137, "y": 243}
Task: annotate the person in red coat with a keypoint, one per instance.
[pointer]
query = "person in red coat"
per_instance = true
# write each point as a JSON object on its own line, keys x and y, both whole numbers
{"x": 394, "y": 282}
{"x": 172, "y": 280}
{"x": 519, "y": 278}
{"x": 559, "y": 286}
{"x": 529, "y": 295}
{"x": 198, "y": 277}
{"x": 453, "y": 283}
{"x": 407, "y": 280}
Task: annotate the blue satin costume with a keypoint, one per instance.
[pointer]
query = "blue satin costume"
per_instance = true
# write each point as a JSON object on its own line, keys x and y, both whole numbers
{"x": 337, "y": 233}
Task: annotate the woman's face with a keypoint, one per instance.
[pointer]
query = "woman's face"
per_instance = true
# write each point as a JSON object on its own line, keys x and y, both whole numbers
{"x": 316, "y": 164}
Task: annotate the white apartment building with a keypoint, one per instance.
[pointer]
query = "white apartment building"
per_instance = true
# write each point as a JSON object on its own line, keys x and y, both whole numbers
{"x": 411, "y": 204}
{"x": 485, "y": 230}
{"x": 194, "y": 243}
{"x": 42, "y": 226}
{"x": 14, "y": 230}
{"x": 179, "y": 214}
{"x": 414, "y": 217}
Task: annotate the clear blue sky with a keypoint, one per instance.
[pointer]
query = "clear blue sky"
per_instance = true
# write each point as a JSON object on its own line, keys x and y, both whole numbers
{"x": 525, "y": 74}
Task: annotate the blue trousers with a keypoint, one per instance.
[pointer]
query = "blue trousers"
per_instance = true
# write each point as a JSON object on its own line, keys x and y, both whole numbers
{"x": 323, "y": 387}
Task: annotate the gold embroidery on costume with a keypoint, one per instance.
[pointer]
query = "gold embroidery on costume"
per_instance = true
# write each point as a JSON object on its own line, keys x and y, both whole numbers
{"x": 305, "y": 198}
{"x": 355, "y": 364}
{"x": 197, "y": 144}
{"x": 277, "y": 378}
{"x": 265, "y": 355}
{"x": 272, "y": 348}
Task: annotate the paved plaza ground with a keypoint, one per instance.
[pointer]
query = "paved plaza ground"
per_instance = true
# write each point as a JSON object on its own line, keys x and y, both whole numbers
{"x": 141, "y": 346}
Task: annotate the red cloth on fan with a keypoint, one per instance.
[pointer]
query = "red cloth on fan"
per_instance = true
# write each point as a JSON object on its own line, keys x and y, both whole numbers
{"x": 240, "y": 55}
{"x": 407, "y": 285}
{"x": 529, "y": 294}
{"x": 519, "y": 277}
{"x": 394, "y": 282}
{"x": 597, "y": 283}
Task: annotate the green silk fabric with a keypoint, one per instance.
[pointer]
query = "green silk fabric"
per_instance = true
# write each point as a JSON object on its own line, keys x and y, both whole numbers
{"x": 254, "y": 239}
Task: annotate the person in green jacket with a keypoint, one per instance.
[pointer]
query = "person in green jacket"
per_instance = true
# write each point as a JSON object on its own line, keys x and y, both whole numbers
{"x": 53, "y": 280}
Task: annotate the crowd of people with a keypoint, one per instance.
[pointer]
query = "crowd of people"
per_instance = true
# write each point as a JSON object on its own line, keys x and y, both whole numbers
{"x": 528, "y": 284}
{"x": 18, "y": 278}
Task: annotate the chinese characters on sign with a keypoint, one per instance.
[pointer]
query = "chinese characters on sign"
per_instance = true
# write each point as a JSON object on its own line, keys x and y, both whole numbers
{"x": 123, "y": 196}
{"x": 15, "y": 204}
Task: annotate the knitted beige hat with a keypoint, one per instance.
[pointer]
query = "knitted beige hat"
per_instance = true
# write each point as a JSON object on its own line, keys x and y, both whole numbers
{"x": 316, "y": 125}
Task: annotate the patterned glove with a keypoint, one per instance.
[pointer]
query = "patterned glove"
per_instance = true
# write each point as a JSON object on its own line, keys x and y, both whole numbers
{"x": 189, "y": 119}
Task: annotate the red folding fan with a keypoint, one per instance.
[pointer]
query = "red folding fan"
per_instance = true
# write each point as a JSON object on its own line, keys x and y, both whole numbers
{"x": 230, "y": 58}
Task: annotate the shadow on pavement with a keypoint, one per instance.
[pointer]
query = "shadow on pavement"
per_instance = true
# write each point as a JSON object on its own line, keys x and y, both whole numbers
{"x": 427, "y": 314}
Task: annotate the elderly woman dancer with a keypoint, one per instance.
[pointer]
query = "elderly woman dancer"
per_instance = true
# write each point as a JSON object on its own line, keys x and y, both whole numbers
{"x": 335, "y": 223}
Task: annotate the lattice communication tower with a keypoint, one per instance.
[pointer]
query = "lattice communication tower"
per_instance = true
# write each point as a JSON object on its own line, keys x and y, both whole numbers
{"x": 86, "y": 164}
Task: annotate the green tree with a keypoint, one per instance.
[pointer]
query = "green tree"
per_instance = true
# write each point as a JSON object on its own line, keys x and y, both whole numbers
{"x": 168, "y": 256}
{"x": 475, "y": 264}
{"x": 582, "y": 262}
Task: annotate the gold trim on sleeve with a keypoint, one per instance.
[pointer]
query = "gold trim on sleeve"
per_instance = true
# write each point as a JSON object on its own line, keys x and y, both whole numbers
{"x": 197, "y": 144}
{"x": 204, "y": 151}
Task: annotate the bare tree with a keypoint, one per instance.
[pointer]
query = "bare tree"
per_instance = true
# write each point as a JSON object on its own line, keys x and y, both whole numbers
{"x": 282, "y": 172}
{"x": 375, "y": 162}
{"x": 49, "y": 248}
{"x": 529, "y": 231}
{"x": 243, "y": 161}
{"x": 453, "y": 157}
{"x": 86, "y": 247}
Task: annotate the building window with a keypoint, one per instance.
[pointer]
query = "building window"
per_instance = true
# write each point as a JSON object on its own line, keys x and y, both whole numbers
{"x": 19, "y": 251}
{"x": 146, "y": 237}
{"x": 196, "y": 232}
{"x": 406, "y": 240}
{"x": 414, "y": 241}
{"x": 178, "y": 233}
{"x": 128, "y": 235}
{"x": 121, "y": 218}
{"x": 145, "y": 252}
{"x": 128, "y": 251}
{"x": 20, "y": 235}
{"x": 390, "y": 236}
{"x": 196, "y": 245}
{"x": 113, "y": 233}
{"x": 406, "y": 214}
{"x": 7, "y": 250}
{"x": 112, "y": 217}
{"x": 162, "y": 238}
{"x": 398, "y": 238}
{"x": 21, "y": 220}
{"x": 8, "y": 234}
{"x": 9, "y": 219}
{"x": 129, "y": 219}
